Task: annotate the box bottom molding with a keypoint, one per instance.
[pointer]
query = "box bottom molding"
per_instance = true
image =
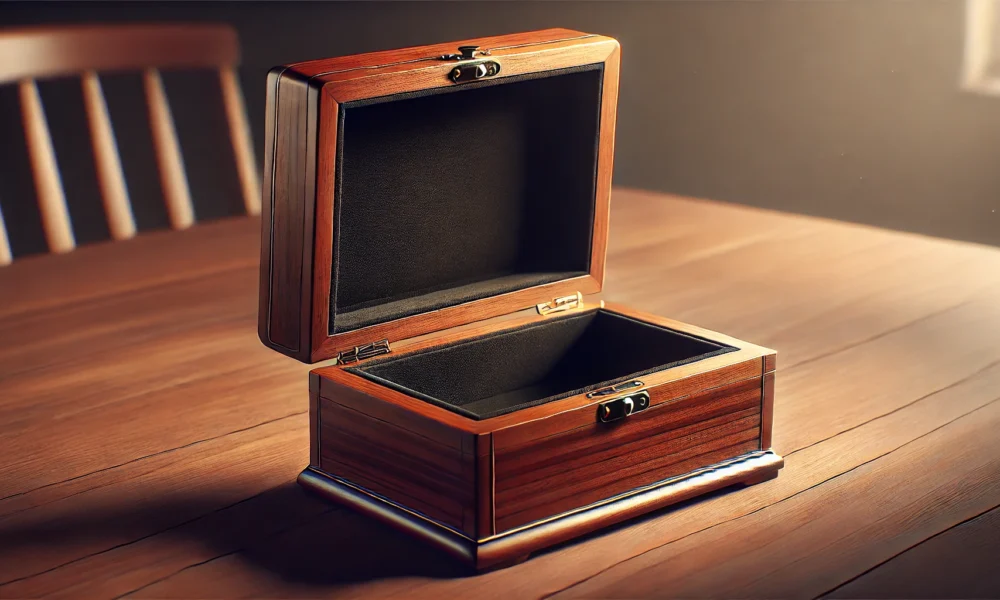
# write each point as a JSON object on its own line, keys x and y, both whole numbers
{"x": 514, "y": 546}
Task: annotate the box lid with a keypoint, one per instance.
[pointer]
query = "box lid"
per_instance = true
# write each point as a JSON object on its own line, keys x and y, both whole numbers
{"x": 415, "y": 190}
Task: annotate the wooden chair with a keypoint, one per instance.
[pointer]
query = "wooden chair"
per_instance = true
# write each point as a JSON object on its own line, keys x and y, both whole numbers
{"x": 37, "y": 53}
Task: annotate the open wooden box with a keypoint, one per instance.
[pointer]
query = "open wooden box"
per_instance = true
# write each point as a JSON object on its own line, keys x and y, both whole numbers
{"x": 435, "y": 222}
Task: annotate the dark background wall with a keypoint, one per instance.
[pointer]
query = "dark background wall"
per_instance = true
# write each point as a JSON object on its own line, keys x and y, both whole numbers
{"x": 847, "y": 109}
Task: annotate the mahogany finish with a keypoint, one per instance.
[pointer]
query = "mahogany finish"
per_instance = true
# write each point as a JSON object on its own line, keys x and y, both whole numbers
{"x": 150, "y": 444}
{"x": 485, "y": 517}
{"x": 388, "y": 453}
{"x": 299, "y": 172}
{"x": 409, "y": 469}
{"x": 284, "y": 292}
{"x": 568, "y": 470}
{"x": 401, "y": 56}
{"x": 514, "y": 548}
{"x": 544, "y": 419}
{"x": 488, "y": 478}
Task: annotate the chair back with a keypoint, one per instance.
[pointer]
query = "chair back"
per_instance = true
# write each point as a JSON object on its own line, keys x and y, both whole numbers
{"x": 30, "y": 54}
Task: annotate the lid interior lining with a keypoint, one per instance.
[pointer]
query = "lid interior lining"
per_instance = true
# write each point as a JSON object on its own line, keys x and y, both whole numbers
{"x": 454, "y": 194}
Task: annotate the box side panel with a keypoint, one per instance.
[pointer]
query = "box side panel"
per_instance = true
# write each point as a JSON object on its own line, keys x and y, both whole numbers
{"x": 435, "y": 478}
{"x": 287, "y": 214}
{"x": 571, "y": 469}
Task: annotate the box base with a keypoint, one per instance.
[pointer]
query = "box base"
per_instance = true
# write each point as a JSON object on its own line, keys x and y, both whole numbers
{"x": 513, "y": 547}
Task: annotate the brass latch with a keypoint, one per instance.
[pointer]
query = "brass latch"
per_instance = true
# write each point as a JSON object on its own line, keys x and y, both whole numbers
{"x": 465, "y": 72}
{"x": 362, "y": 352}
{"x": 619, "y": 408}
{"x": 561, "y": 304}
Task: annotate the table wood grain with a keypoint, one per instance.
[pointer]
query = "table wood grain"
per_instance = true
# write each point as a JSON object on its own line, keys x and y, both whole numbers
{"x": 149, "y": 443}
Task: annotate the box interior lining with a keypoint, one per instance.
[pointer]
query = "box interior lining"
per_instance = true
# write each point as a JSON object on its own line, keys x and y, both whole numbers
{"x": 464, "y": 192}
{"x": 534, "y": 364}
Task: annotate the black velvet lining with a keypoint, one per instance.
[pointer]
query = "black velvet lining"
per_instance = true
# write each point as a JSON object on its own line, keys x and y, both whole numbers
{"x": 450, "y": 195}
{"x": 517, "y": 368}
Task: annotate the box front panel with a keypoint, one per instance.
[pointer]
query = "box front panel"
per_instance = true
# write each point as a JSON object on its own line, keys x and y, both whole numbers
{"x": 551, "y": 475}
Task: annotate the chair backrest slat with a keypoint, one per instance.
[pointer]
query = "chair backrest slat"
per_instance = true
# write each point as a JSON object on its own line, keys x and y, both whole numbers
{"x": 239, "y": 134}
{"x": 48, "y": 184}
{"x": 168, "y": 153}
{"x": 6, "y": 256}
{"x": 110, "y": 176}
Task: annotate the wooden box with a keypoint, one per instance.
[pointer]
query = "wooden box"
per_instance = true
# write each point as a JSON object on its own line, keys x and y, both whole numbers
{"x": 434, "y": 227}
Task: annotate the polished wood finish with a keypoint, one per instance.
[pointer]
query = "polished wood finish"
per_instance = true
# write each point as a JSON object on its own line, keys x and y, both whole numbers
{"x": 432, "y": 422}
{"x": 33, "y": 53}
{"x": 485, "y": 481}
{"x": 568, "y": 470}
{"x": 515, "y": 60}
{"x": 151, "y": 444}
{"x": 295, "y": 275}
{"x": 409, "y": 469}
{"x": 958, "y": 563}
{"x": 560, "y": 415}
{"x": 542, "y": 462}
{"x": 707, "y": 412}
{"x": 371, "y": 60}
{"x": 516, "y": 547}
{"x": 285, "y": 255}
{"x": 546, "y": 461}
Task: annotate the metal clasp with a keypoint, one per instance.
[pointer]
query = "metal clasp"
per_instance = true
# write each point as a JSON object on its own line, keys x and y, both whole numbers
{"x": 362, "y": 352}
{"x": 619, "y": 408}
{"x": 560, "y": 304}
{"x": 472, "y": 71}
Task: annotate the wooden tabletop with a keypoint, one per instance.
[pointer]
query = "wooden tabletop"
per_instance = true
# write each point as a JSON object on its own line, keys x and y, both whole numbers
{"x": 149, "y": 443}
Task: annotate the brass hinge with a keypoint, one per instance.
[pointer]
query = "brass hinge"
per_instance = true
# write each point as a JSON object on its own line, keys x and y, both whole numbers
{"x": 362, "y": 352}
{"x": 561, "y": 304}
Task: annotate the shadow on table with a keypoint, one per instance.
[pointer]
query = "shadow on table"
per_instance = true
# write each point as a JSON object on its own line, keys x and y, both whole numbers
{"x": 341, "y": 546}
{"x": 294, "y": 536}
